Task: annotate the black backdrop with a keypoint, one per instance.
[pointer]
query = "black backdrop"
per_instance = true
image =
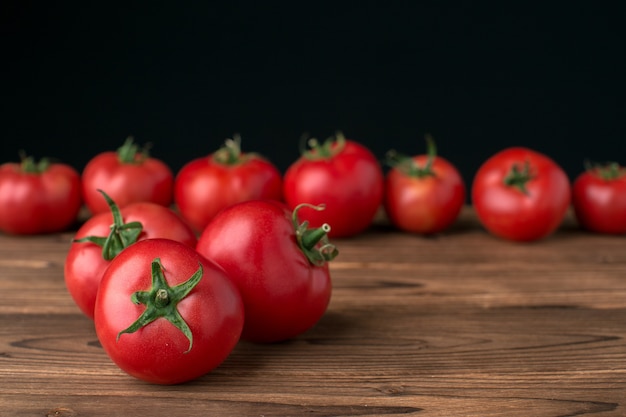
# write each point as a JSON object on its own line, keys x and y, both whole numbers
{"x": 76, "y": 80}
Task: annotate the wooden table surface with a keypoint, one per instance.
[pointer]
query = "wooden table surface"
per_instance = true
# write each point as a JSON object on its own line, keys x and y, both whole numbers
{"x": 462, "y": 324}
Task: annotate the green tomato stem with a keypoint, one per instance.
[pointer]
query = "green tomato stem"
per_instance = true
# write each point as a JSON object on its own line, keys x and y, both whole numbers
{"x": 519, "y": 177}
{"x": 325, "y": 150}
{"x": 129, "y": 152}
{"x": 313, "y": 242}
{"x": 609, "y": 171}
{"x": 161, "y": 301}
{"x": 311, "y": 237}
{"x": 408, "y": 166}
{"x": 161, "y": 298}
{"x": 230, "y": 153}
{"x": 29, "y": 165}
{"x": 121, "y": 234}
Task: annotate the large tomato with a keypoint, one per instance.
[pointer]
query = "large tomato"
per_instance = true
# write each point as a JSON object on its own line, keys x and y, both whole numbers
{"x": 41, "y": 197}
{"x": 105, "y": 235}
{"x": 165, "y": 314}
{"x": 343, "y": 175}
{"x": 599, "y": 199}
{"x": 278, "y": 264}
{"x": 129, "y": 175}
{"x": 424, "y": 193}
{"x": 520, "y": 194}
{"x": 204, "y": 186}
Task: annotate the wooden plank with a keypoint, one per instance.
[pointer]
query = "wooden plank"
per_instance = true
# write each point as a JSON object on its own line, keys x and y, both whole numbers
{"x": 458, "y": 324}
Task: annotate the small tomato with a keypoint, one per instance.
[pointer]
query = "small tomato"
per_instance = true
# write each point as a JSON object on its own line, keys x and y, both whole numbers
{"x": 279, "y": 265}
{"x": 207, "y": 185}
{"x": 599, "y": 199}
{"x": 343, "y": 175}
{"x": 128, "y": 176}
{"x": 105, "y": 235}
{"x": 165, "y": 314}
{"x": 38, "y": 197}
{"x": 424, "y": 193}
{"x": 520, "y": 194}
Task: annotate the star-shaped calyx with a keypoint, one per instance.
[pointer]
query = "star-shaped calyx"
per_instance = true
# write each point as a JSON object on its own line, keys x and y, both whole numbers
{"x": 162, "y": 301}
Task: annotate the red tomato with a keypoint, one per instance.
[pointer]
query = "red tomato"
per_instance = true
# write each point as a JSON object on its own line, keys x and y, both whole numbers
{"x": 343, "y": 175}
{"x": 128, "y": 176}
{"x": 520, "y": 194}
{"x": 207, "y": 185}
{"x": 39, "y": 197}
{"x": 279, "y": 266}
{"x": 165, "y": 314}
{"x": 423, "y": 194}
{"x": 104, "y": 235}
{"x": 599, "y": 199}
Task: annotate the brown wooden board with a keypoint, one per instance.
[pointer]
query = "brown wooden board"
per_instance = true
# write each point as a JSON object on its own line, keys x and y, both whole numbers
{"x": 460, "y": 324}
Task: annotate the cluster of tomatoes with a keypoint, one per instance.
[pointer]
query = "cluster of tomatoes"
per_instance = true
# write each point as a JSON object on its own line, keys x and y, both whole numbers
{"x": 175, "y": 270}
{"x": 518, "y": 194}
{"x": 523, "y": 195}
{"x": 169, "y": 306}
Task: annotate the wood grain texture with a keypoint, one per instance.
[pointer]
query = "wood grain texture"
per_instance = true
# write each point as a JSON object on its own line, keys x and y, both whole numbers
{"x": 461, "y": 324}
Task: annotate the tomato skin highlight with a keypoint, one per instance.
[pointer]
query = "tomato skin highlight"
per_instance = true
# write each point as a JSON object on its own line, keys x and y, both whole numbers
{"x": 349, "y": 182}
{"x": 157, "y": 353}
{"x": 510, "y": 213}
{"x": 283, "y": 293}
{"x": 84, "y": 264}
{"x": 38, "y": 202}
{"x": 145, "y": 179}
{"x": 203, "y": 186}
{"x": 424, "y": 205}
{"x": 600, "y": 203}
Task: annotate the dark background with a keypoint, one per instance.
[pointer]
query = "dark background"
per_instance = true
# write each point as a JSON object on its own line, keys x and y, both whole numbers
{"x": 77, "y": 79}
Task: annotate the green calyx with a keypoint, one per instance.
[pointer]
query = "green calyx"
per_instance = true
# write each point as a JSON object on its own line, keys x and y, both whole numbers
{"x": 609, "y": 171}
{"x": 518, "y": 177}
{"x": 313, "y": 242}
{"x": 161, "y": 300}
{"x": 29, "y": 165}
{"x": 408, "y": 166}
{"x": 121, "y": 235}
{"x": 230, "y": 153}
{"x": 130, "y": 153}
{"x": 325, "y": 150}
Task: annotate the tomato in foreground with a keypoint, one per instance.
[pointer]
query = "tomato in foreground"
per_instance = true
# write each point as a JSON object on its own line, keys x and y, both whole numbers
{"x": 165, "y": 314}
{"x": 279, "y": 265}
{"x": 343, "y": 175}
{"x": 105, "y": 235}
{"x": 520, "y": 194}
{"x": 129, "y": 175}
{"x": 424, "y": 193}
{"x": 38, "y": 197}
{"x": 204, "y": 186}
{"x": 599, "y": 199}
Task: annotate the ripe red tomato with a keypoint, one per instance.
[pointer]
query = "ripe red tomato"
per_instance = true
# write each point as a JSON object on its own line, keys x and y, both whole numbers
{"x": 599, "y": 199}
{"x": 343, "y": 175}
{"x": 520, "y": 194}
{"x": 128, "y": 176}
{"x": 279, "y": 266}
{"x": 207, "y": 185}
{"x": 424, "y": 193}
{"x": 36, "y": 198}
{"x": 165, "y": 314}
{"x": 105, "y": 235}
